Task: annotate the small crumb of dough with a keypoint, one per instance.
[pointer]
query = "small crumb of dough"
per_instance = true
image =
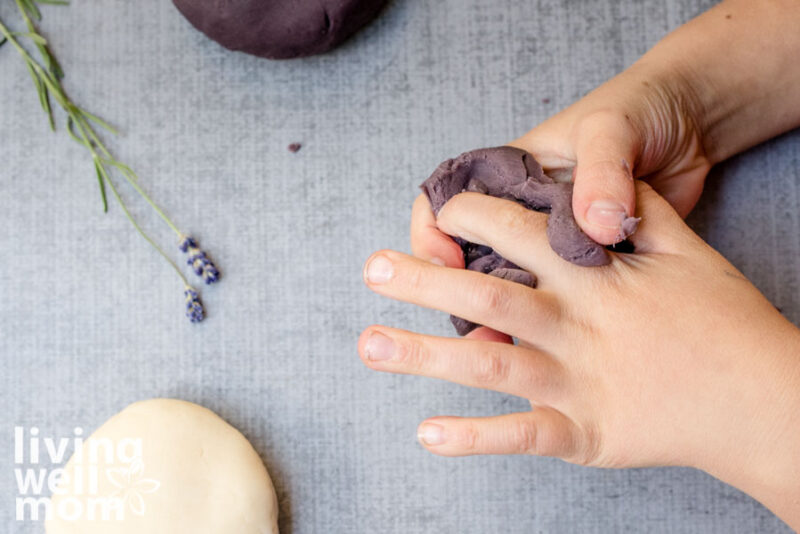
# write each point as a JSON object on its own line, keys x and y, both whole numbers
{"x": 165, "y": 466}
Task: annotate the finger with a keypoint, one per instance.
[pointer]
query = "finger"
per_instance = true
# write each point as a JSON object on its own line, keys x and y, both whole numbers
{"x": 483, "y": 333}
{"x": 527, "y": 373}
{"x": 516, "y": 233}
{"x": 500, "y": 304}
{"x": 430, "y": 243}
{"x": 427, "y": 241}
{"x": 543, "y": 432}
{"x": 684, "y": 191}
{"x": 603, "y": 197}
{"x": 662, "y": 229}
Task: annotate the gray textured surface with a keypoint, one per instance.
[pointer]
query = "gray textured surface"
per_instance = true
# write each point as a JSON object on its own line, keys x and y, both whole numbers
{"x": 91, "y": 319}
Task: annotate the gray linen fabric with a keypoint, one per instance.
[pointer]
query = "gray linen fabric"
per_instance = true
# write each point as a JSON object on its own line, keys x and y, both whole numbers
{"x": 91, "y": 318}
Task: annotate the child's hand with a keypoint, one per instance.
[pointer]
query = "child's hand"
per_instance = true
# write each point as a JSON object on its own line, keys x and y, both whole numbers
{"x": 721, "y": 83}
{"x": 669, "y": 356}
{"x": 637, "y": 125}
{"x": 630, "y": 127}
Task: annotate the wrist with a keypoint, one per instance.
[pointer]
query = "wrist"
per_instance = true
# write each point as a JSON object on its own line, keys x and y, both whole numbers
{"x": 736, "y": 64}
{"x": 760, "y": 454}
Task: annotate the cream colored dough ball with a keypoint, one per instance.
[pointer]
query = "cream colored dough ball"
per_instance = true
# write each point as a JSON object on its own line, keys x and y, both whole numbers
{"x": 164, "y": 466}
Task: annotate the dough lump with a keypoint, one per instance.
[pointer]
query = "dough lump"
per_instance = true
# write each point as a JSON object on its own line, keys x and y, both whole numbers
{"x": 279, "y": 29}
{"x": 191, "y": 473}
{"x": 513, "y": 174}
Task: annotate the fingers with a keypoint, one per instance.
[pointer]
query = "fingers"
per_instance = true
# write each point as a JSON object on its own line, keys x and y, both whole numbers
{"x": 606, "y": 149}
{"x": 427, "y": 241}
{"x": 483, "y": 333}
{"x": 526, "y": 373}
{"x": 684, "y": 191}
{"x": 543, "y": 432}
{"x": 430, "y": 243}
{"x": 516, "y": 233}
{"x": 662, "y": 229}
{"x": 500, "y": 304}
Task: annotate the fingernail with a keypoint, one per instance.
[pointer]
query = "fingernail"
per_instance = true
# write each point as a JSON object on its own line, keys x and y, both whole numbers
{"x": 379, "y": 347}
{"x": 438, "y": 261}
{"x": 379, "y": 270}
{"x": 431, "y": 434}
{"x": 606, "y": 213}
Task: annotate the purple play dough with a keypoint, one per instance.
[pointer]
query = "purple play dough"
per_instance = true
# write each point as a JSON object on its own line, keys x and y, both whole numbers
{"x": 513, "y": 174}
{"x": 279, "y": 29}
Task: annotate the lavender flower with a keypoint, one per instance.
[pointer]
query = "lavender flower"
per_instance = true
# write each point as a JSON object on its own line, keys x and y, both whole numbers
{"x": 199, "y": 260}
{"x": 194, "y": 308}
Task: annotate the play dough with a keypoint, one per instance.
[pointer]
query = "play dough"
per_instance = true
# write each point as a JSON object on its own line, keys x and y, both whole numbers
{"x": 165, "y": 466}
{"x": 279, "y": 28}
{"x": 513, "y": 174}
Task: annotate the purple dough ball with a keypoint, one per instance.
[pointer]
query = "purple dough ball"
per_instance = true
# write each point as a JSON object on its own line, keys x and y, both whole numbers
{"x": 279, "y": 29}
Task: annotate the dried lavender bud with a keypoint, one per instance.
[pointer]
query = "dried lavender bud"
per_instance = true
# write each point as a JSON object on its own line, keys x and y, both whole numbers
{"x": 199, "y": 260}
{"x": 186, "y": 242}
{"x": 194, "y": 308}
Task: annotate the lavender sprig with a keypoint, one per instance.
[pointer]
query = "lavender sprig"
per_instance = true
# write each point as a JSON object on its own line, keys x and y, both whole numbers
{"x": 199, "y": 260}
{"x": 81, "y": 127}
{"x": 194, "y": 308}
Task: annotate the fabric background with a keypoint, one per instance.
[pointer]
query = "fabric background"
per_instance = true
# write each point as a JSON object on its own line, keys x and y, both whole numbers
{"x": 91, "y": 318}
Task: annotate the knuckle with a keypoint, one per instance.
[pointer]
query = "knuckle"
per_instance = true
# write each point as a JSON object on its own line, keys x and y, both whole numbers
{"x": 412, "y": 276}
{"x": 547, "y": 309}
{"x": 588, "y": 452}
{"x": 536, "y": 379}
{"x": 553, "y": 443}
{"x": 490, "y": 297}
{"x": 543, "y": 377}
{"x": 523, "y": 437}
{"x": 491, "y": 369}
{"x": 412, "y": 355}
{"x": 469, "y": 438}
{"x": 514, "y": 220}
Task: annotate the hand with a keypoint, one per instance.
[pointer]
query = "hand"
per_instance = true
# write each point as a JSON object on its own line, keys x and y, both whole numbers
{"x": 638, "y": 125}
{"x": 665, "y": 357}
{"x": 633, "y": 126}
{"x": 696, "y": 98}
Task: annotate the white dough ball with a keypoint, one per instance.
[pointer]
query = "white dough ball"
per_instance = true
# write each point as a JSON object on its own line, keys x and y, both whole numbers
{"x": 165, "y": 466}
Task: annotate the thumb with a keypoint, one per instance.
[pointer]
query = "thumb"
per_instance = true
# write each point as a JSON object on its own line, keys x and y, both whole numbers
{"x": 604, "y": 194}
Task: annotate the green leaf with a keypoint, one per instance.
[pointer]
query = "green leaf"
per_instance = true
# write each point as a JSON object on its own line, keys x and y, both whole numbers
{"x": 47, "y": 107}
{"x": 28, "y": 8}
{"x": 71, "y": 131}
{"x": 36, "y": 81}
{"x": 44, "y": 95}
{"x": 35, "y": 37}
{"x": 94, "y": 118}
{"x": 50, "y": 61}
{"x": 53, "y": 2}
{"x": 3, "y": 41}
{"x": 53, "y": 65}
{"x": 101, "y": 174}
{"x": 123, "y": 168}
